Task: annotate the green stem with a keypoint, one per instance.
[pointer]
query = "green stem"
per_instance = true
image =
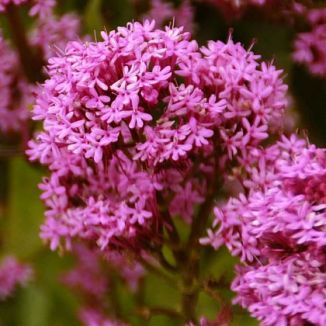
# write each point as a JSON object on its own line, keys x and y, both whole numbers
{"x": 191, "y": 270}
{"x": 199, "y": 225}
{"x": 174, "y": 238}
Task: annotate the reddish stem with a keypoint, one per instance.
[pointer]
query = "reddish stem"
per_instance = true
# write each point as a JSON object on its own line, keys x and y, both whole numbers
{"x": 31, "y": 64}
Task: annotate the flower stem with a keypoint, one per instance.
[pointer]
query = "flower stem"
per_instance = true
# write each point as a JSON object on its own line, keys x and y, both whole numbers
{"x": 191, "y": 270}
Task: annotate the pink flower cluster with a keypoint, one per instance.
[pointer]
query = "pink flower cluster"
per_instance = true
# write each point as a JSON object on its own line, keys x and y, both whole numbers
{"x": 278, "y": 227}
{"x": 91, "y": 279}
{"x": 136, "y": 126}
{"x": 15, "y": 92}
{"x": 290, "y": 291}
{"x": 310, "y": 46}
{"x": 12, "y": 274}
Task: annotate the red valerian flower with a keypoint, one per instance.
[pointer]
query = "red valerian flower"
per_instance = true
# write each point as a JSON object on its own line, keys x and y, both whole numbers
{"x": 129, "y": 121}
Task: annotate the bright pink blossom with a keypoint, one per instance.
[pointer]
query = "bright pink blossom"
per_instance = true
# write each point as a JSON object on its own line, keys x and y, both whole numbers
{"x": 290, "y": 291}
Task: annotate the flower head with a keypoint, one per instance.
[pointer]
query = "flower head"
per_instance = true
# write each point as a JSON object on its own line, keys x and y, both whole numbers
{"x": 128, "y": 121}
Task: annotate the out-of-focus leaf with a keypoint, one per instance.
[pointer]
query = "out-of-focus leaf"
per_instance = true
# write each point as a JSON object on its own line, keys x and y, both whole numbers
{"x": 158, "y": 293}
{"x": 45, "y": 300}
{"x": 25, "y": 213}
{"x": 163, "y": 321}
{"x": 272, "y": 41}
{"x": 207, "y": 306}
{"x": 118, "y": 13}
{"x": 244, "y": 320}
{"x": 8, "y": 310}
{"x": 93, "y": 17}
{"x": 34, "y": 307}
{"x": 218, "y": 264}
{"x": 50, "y": 268}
